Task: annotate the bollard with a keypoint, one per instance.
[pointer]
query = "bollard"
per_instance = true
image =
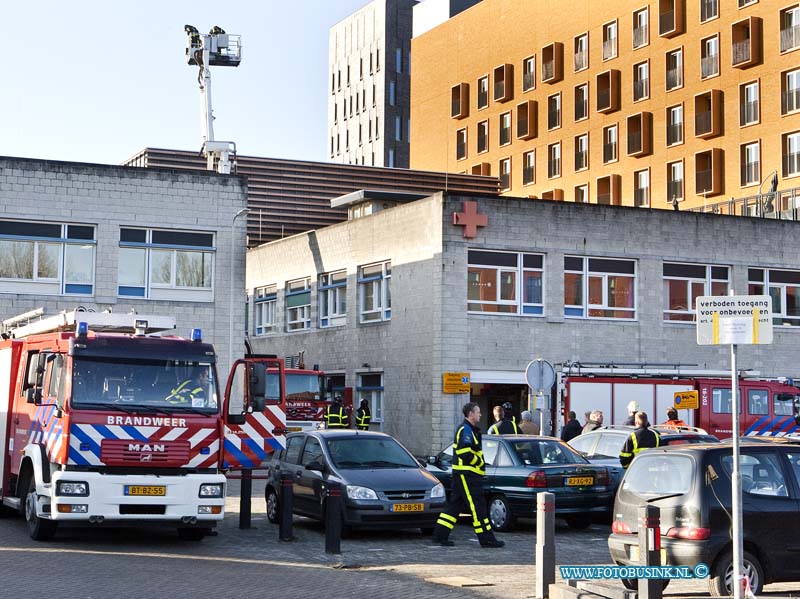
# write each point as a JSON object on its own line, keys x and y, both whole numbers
{"x": 650, "y": 549}
{"x": 545, "y": 543}
{"x": 333, "y": 519}
{"x": 244, "y": 499}
{"x": 285, "y": 507}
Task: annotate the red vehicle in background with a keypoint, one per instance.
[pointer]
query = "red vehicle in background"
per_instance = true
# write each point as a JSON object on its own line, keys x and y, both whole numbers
{"x": 307, "y": 396}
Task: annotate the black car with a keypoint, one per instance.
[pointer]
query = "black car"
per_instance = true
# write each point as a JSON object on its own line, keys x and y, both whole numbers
{"x": 520, "y": 466}
{"x": 691, "y": 484}
{"x": 383, "y": 485}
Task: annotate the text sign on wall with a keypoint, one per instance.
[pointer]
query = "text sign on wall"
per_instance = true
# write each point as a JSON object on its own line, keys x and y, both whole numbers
{"x": 734, "y": 319}
{"x": 456, "y": 382}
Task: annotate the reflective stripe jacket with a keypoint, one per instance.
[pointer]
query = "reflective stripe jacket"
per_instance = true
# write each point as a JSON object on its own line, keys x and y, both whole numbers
{"x": 336, "y": 417}
{"x": 184, "y": 392}
{"x": 641, "y": 438}
{"x": 505, "y": 427}
{"x": 363, "y": 418}
{"x": 467, "y": 450}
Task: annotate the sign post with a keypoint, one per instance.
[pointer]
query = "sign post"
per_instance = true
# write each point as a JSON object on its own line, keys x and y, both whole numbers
{"x": 540, "y": 375}
{"x": 735, "y": 319}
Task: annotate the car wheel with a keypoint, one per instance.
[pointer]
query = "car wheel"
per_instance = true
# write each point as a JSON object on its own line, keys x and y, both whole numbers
{"x": 273, "y": 510}
{"x": 500, "y": 514}
{"x": 579, "y": 522}
{"x": 720, "y": 583}
{"x": 632, "y": 584}
{"x": 39, "y": 529}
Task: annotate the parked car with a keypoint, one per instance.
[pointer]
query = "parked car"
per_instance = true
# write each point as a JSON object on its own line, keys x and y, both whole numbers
{"x": 383, "y": 485}
{"x": 602, "y": 446}
{"x": 520, "y": 466}
{"x": 691, "y": 484}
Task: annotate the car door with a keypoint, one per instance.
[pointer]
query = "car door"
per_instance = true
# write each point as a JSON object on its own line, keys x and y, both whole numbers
{"x": 290, "y": 464}
{"x": 311, "y": 482}
{"x": 792, "y": 456}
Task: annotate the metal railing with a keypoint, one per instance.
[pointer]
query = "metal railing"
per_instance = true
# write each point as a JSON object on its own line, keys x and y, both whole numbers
{"x": 581, "y": 109}
{"x": 528, "y": 80}
{"x": 609, "y": 152}
{"x": 790, "y": 37}
{"x": 790, "y": 100}
{"x": 483, "y": 98}
{"x": 609, "y": 48}
{"x": 641, "y": 197}
{"x": 748, "y": 112}
{"x": 505, "y": 135}
{"x": 581, "y": 60}
{"x": 548, "y": 70}
{"x": 461, "y": 150}
{"x": 666, "y": 22}
{"x": 750, "y": 172}
{"x": 499, "y": 90}
{"x": 740, "y": 51}
{"x": 527, "y": 175}
{"x": 482, "y": 141}
{"x": 702, "y": 122}
{"x": 581, "y": 159}
{"x": 522, "y": 126}
{"x": 675, "y": 189}
{"x": 640, "y": 36}
{"x": 709, "y": 65}
{"x": 634, "y": 143}
{"x": 553, "y": 119}
{"x": 641, "y": 88}
{"x": 708, "y": 9}
{"x": 505, "y": 180}
{"x": 674, "y": 133}
{"x": 603, "y": 99}
{"x": 674, "y": 78}
{"x": 554, "y": 167}
{"x": 781, "y": 205}
{"x": 704, "y": 181}
{"x": 455, "y": 109}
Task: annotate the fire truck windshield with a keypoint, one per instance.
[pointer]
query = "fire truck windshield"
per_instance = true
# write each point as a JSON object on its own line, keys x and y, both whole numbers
{"x": 302, "y": 387}
{"x": 168, "y": 385}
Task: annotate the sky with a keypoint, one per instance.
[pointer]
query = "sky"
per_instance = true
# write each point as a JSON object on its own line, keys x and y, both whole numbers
{"x": 98, "y": 80}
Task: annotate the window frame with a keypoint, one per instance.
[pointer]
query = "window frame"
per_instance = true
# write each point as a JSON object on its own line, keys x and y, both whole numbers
{"x": 705, "y": 55}
{"x": 581, "y": 140}
{"x": 265, "y": 304}
{"x": 485, "y": 80}
{"x": 374, "y": 394}
{"x": 643, "y": 81}
{"x": 767, "y": 286}
{"x": 670, "y": 172}
{"x": 331, "y": 291}
{"x": 636, "y": 181}
{"x": 583, "y": 89}
{"x": 607, "y": 28}
{"x": 504, "y": 125}
{"x": 301, "y": 311}
{"x": 669, "y": 123}
{"x": 743, "y": 151}
{"x": 583, "y": 311}
{"x": 679, "y": 69}
{"x": 461, "y": 146}
{"x": 580, "y": 47}
{"x": 637, "y": 25}
{"x": 743, "y": 87}
{"x": 504, "y": 173}
{"x": 522, "y": 308}
{"x": 485, "y": 138}
{"x": 689, "y": 314}
{"x": 529, "y": 165}
{"x": 552, "y": 149}
{"x": 529, "y": 74}
{"x": 606, "y": 137}
{"x": 558, "y": 110}
{"x": 377, "y": 282}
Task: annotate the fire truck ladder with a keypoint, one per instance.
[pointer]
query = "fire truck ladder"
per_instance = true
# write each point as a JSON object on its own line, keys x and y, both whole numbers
{"x": 139, "y": 324}
{"x": 645, "y": 369}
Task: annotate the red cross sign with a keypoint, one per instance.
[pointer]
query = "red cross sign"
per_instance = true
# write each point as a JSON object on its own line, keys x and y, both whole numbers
{"x": 470, "y": 219}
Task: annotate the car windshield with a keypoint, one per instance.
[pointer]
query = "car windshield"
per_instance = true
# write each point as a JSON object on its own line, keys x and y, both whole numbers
{"x": 538, "y": 452}
{"x": 369, "y": 452}
{"x": 657, "y": 475}
{"x": 145, "y": 385}
{"x": 299, "y": 387}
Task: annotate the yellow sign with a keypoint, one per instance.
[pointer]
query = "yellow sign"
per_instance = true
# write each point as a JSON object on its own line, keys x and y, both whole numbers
{"x": 686, "y": 400}
{"x": 456, "y": 382}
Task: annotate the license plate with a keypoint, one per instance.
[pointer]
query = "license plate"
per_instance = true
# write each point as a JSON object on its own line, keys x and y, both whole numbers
{"x": 146, "y": 490}
{"x": 580, "y": 481}
{"x": 407, "y": 507}
{"x": 634, "y": 550}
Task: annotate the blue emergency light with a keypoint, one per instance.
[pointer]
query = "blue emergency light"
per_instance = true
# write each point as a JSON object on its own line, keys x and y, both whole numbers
{"x": 83, "y": 329}
{"x": 197, "y": 335}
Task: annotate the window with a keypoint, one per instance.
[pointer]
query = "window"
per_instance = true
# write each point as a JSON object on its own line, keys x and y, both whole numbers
{"x": 582, "y": 194}
{"x": 377, "y": 59}
{"x": 47, "y": 258}
{"x": 503, "y": 82}
{"x": 298, "y": 305}
{"x": 675, "y": 125}
{"x": 743, "y": 3}
{"x": 375, "y": 298}
{"x": 582, "y": 152}
{"x": 684, "y": 283}
{"x": 554, "y": 160}
{"x": 265, "y": 300}
{"x": 332, "y": 299}
{"x": 390, "y": 161}
{"x": 505, "y": 282}
{"x": 783, "y": 407}
{"x": 675, "y": 181}
{"x": 398, "y": 60}
{"x": 581, "y": 59}
{"x": 641, "y": 81}
{"x": 554, "y": 111}
{"x": 505, "y": 128}
{"x": 791, "y": 154}
{"x": 790, "y": 91}
{"x": 641, "y": 188}
{"x": 790, "y": 28}
{"x": 483, "y": 136}
{"x": 709, "y": 9}
{"x": 761, "y": 474}
{"x": 581, "y": 101}
{"x": 674, "y": 69}
{"x": 599, "y": 287}
{"x": 709, "y": 57}
{"x": 757, "y": 401}
{"x": 483, "y": 92}
{"x": 748, "y": 104}
{"x": 166, "y": 264}
{"x": 529, "y": 167}
{"x": 610, "y": 144}
{"x": 610, "y": 40}
{"x": 505, "y": 174}
{"x": 749, "y": 159}
{"x": 641, "y": 34}
{"x": 461, "y": 144}
{"x": 392, "y": 92}
{"x": 370, "y": 387}
{"x": 398, "y": 128}
{"x": 783, "y": 286}
{"x": 529, "y": 73}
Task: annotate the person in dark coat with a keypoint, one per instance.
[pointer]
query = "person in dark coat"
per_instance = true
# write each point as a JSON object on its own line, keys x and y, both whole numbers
{"x": 643, "y": 437}
{"x": 571, "y": 429}
{"x": 595, "y": 421}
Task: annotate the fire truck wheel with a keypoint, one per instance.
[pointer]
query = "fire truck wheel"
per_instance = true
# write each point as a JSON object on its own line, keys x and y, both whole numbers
{"x": 192, "y": 534}
{"x": 39, "y": 529}
{"x": 273, "y": 510}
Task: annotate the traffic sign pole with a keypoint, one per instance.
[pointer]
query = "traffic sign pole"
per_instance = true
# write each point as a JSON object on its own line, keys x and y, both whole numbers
{"x": 736, "y": 504}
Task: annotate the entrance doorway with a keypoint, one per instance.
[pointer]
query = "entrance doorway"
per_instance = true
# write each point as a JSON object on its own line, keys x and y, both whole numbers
{"x": 489, "y": 395}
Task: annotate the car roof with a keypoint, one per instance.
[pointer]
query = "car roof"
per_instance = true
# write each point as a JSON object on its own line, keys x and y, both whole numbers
{"x": 340, "y": 433}
{"x": 708, "y": 447}
{"x": 669, "y": 431}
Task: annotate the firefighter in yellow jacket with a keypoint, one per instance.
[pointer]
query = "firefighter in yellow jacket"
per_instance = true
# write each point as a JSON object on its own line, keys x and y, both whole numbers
{"x": 336, "y": 416}
{"x": 466, "y": 494}
{"x": 643, "y": 437}
{"x": 191, "y": 391}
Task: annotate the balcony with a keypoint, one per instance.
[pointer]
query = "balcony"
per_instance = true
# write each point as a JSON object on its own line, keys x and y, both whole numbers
{"x": 608, "y": 91}
{"x": 670, "y": 17}
{"x": 709, "y": 66}
{"x": 740, "y": 52}
{"x": 503, "y": 83}
{"x": 748, "y": 113}
{"x": 459, "y": 101}
{"x": 608, "y": 190}
{"x": 790, "y": 38}
{"x": 746, "y": 43}
{"x": 640, "y": 134}
{"x": 708, "y": 114}
{"x": 484, "y": 169}
{"x": 782, "y": 205}
{"x": 526, "y": 119}
{"x": 641, "y": 89}
{"x": 641, "y": 197}
{"x": 528, "y": 81}
{"x": 675, "y": 190}
{"x": 709, "y": 9}
{"x": 553, "y": 62}
{"x": 790, "y": 101}
{"x": 554, "y": 168}
{"x": 674, "y": 78}
{"x": 640, "y": 36}
{"x": 548, "y": 70}
{"x": 581, "y": 160}
{"x": 702, "y": 123}
{"x": 553, "y": 194}
{"x": 581, "y": 60}
{"x": 609, "y": 48}
{"x": 674, "y": 133}
{"x": 708, "y": 166}
{"x": 609, "y": 152}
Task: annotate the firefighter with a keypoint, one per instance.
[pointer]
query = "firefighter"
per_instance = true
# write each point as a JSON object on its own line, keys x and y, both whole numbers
{"x": 643, "y": 437}
{"x": 363, "y": 416}
{"x": 504, "y": 423}
{"x": 632, "y": 409}
{"x": 192, "y": 390}
{"x": 466, "y": 493}
{"x": 508, "y": 411}
{"x": 336, "y": 415}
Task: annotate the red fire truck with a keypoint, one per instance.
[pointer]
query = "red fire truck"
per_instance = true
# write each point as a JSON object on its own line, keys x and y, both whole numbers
{"x": 307, "y": 396}
{"x": 103, "y": 423}
{"x": 768, "y": 407}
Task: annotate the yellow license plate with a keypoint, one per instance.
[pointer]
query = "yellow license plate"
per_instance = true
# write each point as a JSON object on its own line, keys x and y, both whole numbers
{"x": 146, "y": 490}
{"x": 580, "y": 481}
{"x": 635, "y": 555}
{"x": 408, "y": 507}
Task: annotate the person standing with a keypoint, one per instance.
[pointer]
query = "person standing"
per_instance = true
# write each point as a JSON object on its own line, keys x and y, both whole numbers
{"x": 643, "y": 437}
{"x": 528, "y": 426}
{"x": 571, "y": 429}
{"x": 336, "y": 415}
{"x": 508, "y": 414}
{"x": 673, "y": 420}
{"x": 192, "y": 391}
{"x": 632, "y": 409}
{"x": 363, "y": 416}
{"x": 466, "y": 494}
{"x": 595, "y": 421}
{"x": 503, "y": 425}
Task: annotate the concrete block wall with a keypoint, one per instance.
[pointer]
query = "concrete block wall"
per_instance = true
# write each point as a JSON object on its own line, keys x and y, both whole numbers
{"x": 110, "y": 197}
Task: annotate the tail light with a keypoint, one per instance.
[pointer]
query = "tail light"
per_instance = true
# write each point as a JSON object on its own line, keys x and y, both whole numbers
{"x": 536, "y": 480}
{"x": 621, "y": 528}
{"x": 689, "y": 532}
{"x": 601, "y": 478}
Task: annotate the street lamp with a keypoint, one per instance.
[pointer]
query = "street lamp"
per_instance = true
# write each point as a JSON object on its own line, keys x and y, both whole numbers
{"x": 230, "y": 289}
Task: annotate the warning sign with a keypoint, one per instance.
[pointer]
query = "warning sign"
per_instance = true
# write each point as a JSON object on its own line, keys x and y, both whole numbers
{"x": 686, "y": 400}
{"x": 456, "y": 382}
{"x": 734, "y": 319}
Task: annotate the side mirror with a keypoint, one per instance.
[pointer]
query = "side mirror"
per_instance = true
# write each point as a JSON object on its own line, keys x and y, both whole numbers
{"x": 432, "y": 459}
{"x": 236, "y": 418}
{"x": 258, "y": 379}
{"x": 33, "y": 395}
{"x": 259, "y": 403}
{"x": 316, "y": 467}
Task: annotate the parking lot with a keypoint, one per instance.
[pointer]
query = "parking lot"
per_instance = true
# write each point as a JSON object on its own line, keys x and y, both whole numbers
{"x": 154, "y": 563}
